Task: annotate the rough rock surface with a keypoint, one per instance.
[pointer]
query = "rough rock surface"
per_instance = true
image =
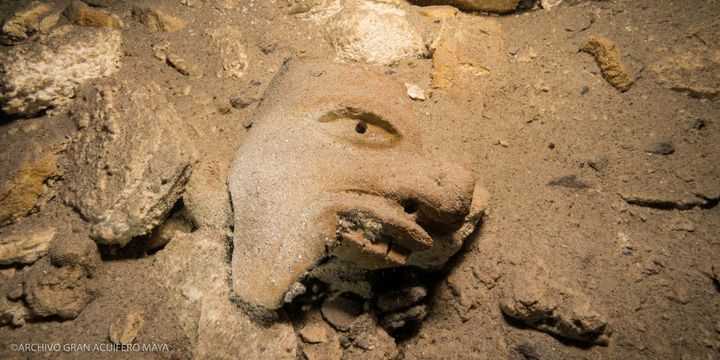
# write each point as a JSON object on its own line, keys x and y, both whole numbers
{"x": 496, "y": 6}
{"x": 608, "y": 59}
{"x": 130, "y": 161}
{"x": 81, "y": 14}
{"x": 25, "y": 247}
{"x": 49, "y": 290}
{"x": 34, "y": 18}
{"x": 374, "y": 33}
{"x": 25, "y": 189}
{"x": 44, "y": 74}
{"x": 192, "y": 269}
{"x": 533, "y": 300}
{"x": 157, "y": 19}
{"x": 365, "y": 217}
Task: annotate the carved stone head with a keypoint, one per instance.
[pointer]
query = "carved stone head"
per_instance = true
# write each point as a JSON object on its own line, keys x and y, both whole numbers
{"x": 334, "y": 167}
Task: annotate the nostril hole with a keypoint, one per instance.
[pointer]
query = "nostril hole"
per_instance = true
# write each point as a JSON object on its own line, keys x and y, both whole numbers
{"x": 410, "y": 206}
{"x": 360, "y": 128}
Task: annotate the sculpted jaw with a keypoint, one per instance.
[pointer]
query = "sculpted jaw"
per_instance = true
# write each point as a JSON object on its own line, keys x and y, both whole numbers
{"x": 334, "y": 167}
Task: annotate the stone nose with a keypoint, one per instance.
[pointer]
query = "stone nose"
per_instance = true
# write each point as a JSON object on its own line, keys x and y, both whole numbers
{"x": 437, "y": 192}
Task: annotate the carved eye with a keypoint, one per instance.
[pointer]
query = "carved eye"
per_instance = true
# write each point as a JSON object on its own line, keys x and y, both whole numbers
{"x": 360, "y": 126}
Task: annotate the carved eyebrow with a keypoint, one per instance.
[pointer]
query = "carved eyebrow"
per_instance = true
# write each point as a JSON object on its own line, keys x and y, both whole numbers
{"x": 349, "y": 112}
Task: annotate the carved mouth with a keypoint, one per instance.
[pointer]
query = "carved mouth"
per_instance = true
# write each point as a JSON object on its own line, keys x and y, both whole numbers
{"x": 374, "y": 232}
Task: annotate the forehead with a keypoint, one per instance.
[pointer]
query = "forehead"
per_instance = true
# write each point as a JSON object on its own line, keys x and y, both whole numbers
{"x": 311, "y": 87}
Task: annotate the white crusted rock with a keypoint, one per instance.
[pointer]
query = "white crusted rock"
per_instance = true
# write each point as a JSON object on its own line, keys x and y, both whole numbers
{"x": 44, "y": 74}
{"x": 130, "y": 162}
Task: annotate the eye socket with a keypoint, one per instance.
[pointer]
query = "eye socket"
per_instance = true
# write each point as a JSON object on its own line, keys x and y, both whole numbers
{"x": 360, "y": 127}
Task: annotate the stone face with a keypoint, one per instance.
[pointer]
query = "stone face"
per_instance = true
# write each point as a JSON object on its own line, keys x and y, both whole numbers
{"x": 607, "y": 56}
{"x": 81, "y": 14}
{"x": 157, "y": 19}
{"x": 24, "y": 190}
{"x": 130, "y": 161}
{"x": 36, "y": 17}
{"x": 41, "y": 75}
{"x": 353, "y": 177}
{"x": 373, "y": 33}
{"x": 25, "y": 247}
{"x": 496, "y": 6}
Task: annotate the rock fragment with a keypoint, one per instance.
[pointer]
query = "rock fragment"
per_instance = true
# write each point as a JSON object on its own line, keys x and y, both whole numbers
{"x": 315, "y": 10}
{"x": 495, "y": 6}
{"x": 26, "y": 246}
{"x": 660, "y": 148}
{"x": 415, "y": 92}
{"x": 555, "y": 310}
{"x": 157, "y": 19}
{"x": 130, "y": 161}
{"x": 227, "y": 43}
{"x": 373, "y": 33}
{"x": 367, "y": 340}
{"x": 125, "y": 330}
{"x": 401, "y": 298}
{"x": 41, "y": 75}
{"x": 75, "y": 250}
{"x": 81, "y": 14}
{"x": 182, "y": 66}
{"x": 315, "y": 332}
{"x": 607, "y": 56}
{"x": 53, "y": 291}
{"x": 34, "y": 18}
{"x": 341, "y": 311}
{"x": 25, "y": 190}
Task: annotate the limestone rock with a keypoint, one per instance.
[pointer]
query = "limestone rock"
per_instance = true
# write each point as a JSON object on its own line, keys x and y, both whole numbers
{"x": 192, "y": 269}
{"x": 182, "y": 66}
{"x": 41, "y": 75}
{"x": 369, "y": 341}
{"x": 374, "y": 33}
{"x": 25, "y": 189}
{"x": 495, "y": 6}
{"x": 34, "y": 18}
{"x": 125, "y": 330}
{"x": 553, "y": 309}
{"x": 53, "y": 291}
{"x": 13, "y": 313}
{"x": 81, "y": 14}
{"x": 608, "y": 59}
{"x": 162, "y": 234}
{"x": 438, "y": 13}
{"x": 316, "y": 10}
{"x": 129, "y": 162}
{"x": 234, "y": 60}
{"x": 465, "y": 51}
{"x": 341, "y": 311}
{"x": 74, "y": 250}
{"x": 157, "y": 19}
{"x": 315, "y": 332}
{"x": 206, "y": 196}
{"x": 26, "y": 246}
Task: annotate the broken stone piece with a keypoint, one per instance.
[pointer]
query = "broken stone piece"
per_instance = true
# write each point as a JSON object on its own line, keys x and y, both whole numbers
{"x": 401, "y": 298}
{"x": 53, "y": 291}
{"x": 315, "y": 332}
{"x": 130, "y": 161}
{"x": 340, "y": 311}
{"x": 157, "y": 19}
{"x": 41, "y": 75}
{"x": 81, "y": 14}
{"x": 35, "y": 18}
{"x": 441, "y": 12}
{"x": 373, "y": 33}
{"x": 182, "y": 66}
{"x": 608, "y": 59}
{"x": 23, "y": 190}
{"x": 415, "y": 92}
{"x": 495, "y": 6}
{"x": 227, "y": 43}
{"x": 125, "y": 330}
{"x": 369, "y": 341}
{"x": 660, "y": 148}
{"x": 335, "y": 207}
{"x": 561, "y": 312}
{"x": 75, "y": 251}
{"x": 398, "y": 320}
{"x": 25, "y": 247}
